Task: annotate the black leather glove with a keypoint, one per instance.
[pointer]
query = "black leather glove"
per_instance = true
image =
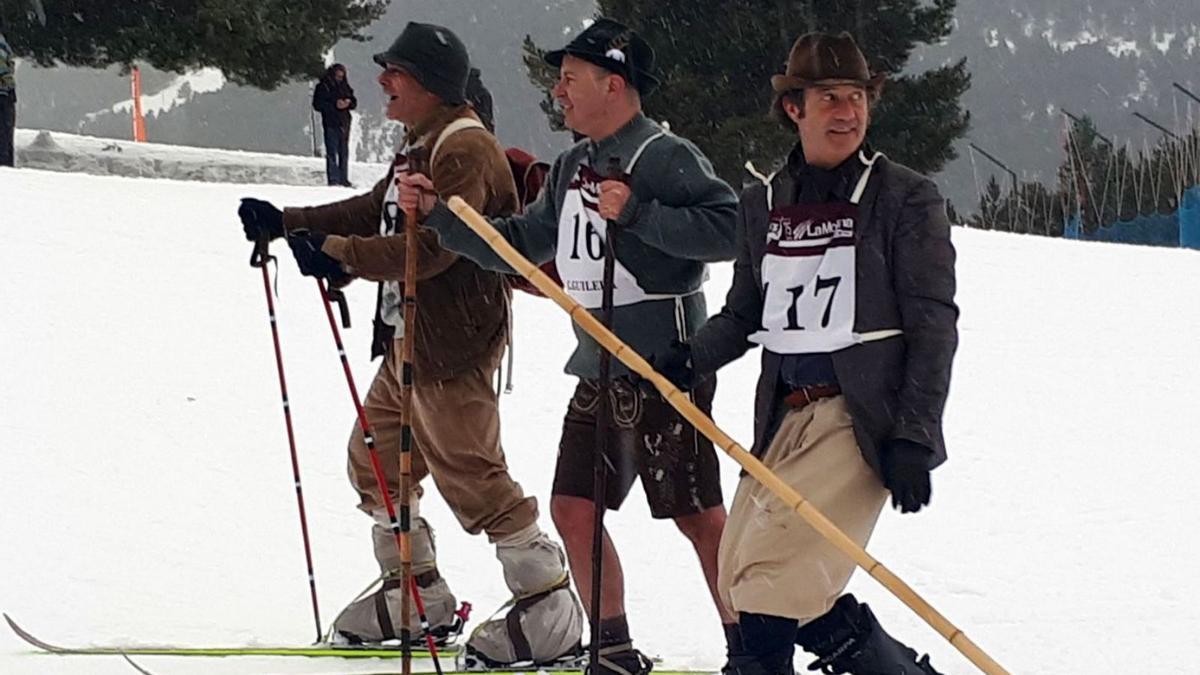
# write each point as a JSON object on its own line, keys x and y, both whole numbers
{"x": 260, "y": 218}
{"x": 906, "y": 473}
{"x": 311, "y": 260}
{"x": 675, "y": 364}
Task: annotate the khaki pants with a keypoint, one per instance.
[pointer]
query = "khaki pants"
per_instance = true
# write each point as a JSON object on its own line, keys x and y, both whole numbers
{"x": 456, "y": 440}
{"x": 771, "y": 561}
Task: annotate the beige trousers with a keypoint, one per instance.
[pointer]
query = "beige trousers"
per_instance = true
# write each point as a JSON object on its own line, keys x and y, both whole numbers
{"x": 456, "y": 441}
{"x": 771, "y": 561}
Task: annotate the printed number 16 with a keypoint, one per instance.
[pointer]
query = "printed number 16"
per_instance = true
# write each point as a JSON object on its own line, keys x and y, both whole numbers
{"x": 590, "y": 236}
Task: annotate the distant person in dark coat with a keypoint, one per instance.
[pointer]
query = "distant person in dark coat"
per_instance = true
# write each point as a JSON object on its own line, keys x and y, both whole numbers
{"x": 8, "y": 103}
{"x": 334, "y": 99}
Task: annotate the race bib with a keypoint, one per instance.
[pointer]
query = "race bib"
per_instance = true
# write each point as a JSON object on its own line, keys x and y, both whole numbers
{"x": 808, "y": 274}
{"x": 582, "y": 238}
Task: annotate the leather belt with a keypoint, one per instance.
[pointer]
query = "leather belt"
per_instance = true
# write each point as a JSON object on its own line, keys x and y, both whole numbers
{"x": 805, "y": 395}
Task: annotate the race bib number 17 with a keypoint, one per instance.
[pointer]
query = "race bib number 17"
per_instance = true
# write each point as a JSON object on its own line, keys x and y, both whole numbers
{"x": 808, "y": 274}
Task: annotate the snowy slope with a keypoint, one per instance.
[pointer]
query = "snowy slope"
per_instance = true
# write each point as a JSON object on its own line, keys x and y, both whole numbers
{"x": 145, "y": 491}
{"x": 59, "y": 151}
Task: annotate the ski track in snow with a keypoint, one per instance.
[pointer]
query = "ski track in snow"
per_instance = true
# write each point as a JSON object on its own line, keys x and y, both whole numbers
{"x": 147, "y": 496}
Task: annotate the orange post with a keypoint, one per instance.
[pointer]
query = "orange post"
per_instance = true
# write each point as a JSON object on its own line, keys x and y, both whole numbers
{"x": 139, "y": 122}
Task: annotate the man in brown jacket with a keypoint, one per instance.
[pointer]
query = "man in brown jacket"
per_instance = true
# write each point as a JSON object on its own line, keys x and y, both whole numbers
{"x": 461, "y": 332}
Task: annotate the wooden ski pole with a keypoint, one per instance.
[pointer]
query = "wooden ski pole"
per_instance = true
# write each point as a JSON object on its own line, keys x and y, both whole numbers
{"x": 704, "y": 424}
{"x": 416, "y": 164}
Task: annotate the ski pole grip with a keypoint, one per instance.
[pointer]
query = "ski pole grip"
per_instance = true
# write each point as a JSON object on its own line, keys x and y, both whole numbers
{"x": 613, "y": 170}
{"x": 261, "y": 254}
{"x": 336, "y": 295}
{"x": 418, "y": 162}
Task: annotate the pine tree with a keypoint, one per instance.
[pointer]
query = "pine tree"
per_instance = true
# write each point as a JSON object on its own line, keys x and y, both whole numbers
{"x": 716, "y": 60}
{"x": 261, "y": 43}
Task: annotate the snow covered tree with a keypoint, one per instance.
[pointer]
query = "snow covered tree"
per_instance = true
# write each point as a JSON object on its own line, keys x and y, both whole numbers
{"x": 262, "y": 43}
{"x": 716, "y": 60}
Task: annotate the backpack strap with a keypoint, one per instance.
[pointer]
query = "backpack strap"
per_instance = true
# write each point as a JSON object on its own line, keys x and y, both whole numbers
{"x": 768, "y": 181}
{"x": 642, "y": 148}
{"x": 868, "y": 162}
{"x": 451, "y": 129}
{"x": 533, "y": 166}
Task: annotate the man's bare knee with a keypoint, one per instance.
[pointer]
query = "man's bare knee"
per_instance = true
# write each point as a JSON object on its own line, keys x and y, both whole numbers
{"x": 702, "y": 526}
{"x": 572, "y": 516}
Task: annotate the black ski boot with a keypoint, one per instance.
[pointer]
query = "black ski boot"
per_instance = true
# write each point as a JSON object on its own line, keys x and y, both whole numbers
{"x": 761, "y": 644}
{"x": 620, "y": 659}
{"x": 751, "y": 665}
{"x": 848, "y": 639}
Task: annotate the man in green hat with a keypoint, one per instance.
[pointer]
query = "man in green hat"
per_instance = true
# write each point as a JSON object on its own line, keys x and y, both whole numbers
{"x": 674, "y": 216}
{"x": 845, "y": 277}
{"x": 461, "y": 332}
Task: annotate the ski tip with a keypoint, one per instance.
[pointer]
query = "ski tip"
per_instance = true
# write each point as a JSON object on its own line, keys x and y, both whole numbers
{"x": 11, "y": 624}
{"x": 28, "y": 637}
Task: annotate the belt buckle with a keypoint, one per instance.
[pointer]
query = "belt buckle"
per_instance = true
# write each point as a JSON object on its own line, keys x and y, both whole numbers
{"x": 799, "y": 398}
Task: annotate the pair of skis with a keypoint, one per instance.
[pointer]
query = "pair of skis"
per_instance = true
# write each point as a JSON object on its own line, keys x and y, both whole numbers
{"x": 315, "y": 650}
{"x": 310, "y": 651}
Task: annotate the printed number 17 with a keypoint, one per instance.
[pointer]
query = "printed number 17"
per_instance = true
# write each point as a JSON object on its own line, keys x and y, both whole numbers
{"x": 793, "y": 319}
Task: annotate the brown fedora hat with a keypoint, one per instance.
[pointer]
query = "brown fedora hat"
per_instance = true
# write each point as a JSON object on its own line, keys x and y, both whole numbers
{"x": 821, "y": 58}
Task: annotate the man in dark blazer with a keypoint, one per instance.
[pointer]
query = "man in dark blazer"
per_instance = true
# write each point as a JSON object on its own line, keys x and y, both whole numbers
{"x": 845, "y": 276}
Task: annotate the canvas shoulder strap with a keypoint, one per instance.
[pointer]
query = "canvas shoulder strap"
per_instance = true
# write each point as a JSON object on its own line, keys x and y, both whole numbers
{"x": 451, "y": 129}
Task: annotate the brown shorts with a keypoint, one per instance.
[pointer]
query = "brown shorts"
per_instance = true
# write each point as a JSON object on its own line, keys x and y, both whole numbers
{"x": 651, "y": 440}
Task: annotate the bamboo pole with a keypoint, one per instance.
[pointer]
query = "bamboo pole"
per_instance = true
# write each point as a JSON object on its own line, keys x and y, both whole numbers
{"x": 706, "y": 426}
{"x": 407, "y": 343}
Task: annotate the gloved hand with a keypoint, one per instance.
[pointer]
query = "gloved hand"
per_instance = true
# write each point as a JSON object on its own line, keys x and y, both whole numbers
{"x": 311, "y": 260}
{"x": 675, "y": 364}
{"x": 260, "y": 218}
{"x": 906, "y": 473}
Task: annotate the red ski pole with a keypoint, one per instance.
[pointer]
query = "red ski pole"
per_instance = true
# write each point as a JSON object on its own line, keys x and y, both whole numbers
{"x": 260, "y": 258}
{"x": 400, "y": 532}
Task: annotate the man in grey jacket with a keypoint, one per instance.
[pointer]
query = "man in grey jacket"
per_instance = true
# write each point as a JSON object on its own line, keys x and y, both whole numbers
{"x": 845, "y": 276}
{"x": 675, "y": 215}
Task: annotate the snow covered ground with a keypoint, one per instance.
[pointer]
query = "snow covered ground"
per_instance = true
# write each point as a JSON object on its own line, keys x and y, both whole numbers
{"x": 59, "y": 151}
{"x": 146, "y": 494}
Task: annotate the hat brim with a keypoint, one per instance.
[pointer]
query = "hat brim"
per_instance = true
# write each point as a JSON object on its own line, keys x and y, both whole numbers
{"x": 411, "y": 68}
{"x": 645, "y": 81}
{"x": 554, "y": 58}
{"x": 384, "y": 61}
{"x": 784, "y": 83}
